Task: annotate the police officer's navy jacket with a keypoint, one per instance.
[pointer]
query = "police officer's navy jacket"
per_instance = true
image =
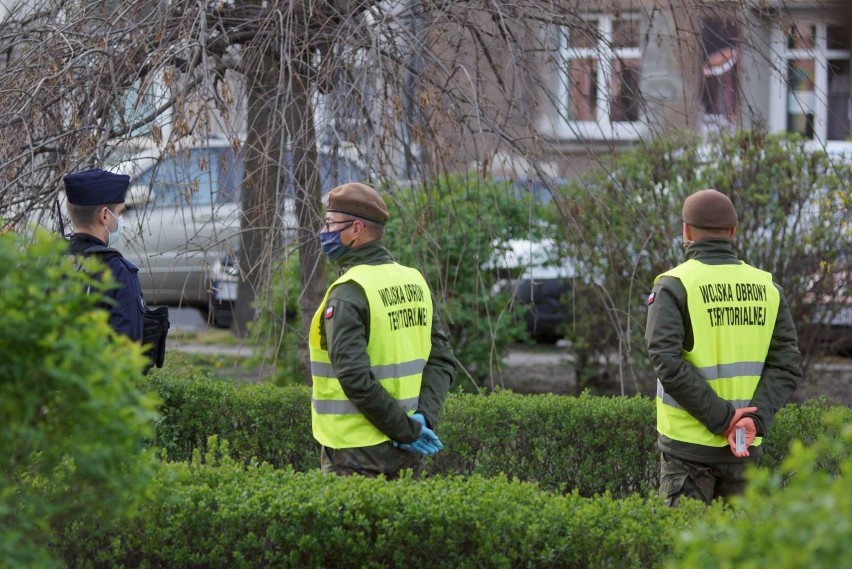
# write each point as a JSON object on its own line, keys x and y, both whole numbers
{"x": 127, "y": 307}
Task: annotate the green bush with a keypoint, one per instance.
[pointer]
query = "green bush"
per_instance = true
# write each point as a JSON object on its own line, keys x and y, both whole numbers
{"x": 270, "y": 423}
{"x": 799, "y": 517}
{"x": 219, "y": 514}
{"x": 451, "y": 230}
{"x": 793, "y": 206}
{"x": 805, "y": 423}
{"x": 72, "y": 423}
{"x": 588, "y": 444}
{"x": 279, "y": 323}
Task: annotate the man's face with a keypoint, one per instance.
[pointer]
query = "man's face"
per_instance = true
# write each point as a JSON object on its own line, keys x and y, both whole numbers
{"x": 111, "y": 215}
{"x": 336, "y": 221}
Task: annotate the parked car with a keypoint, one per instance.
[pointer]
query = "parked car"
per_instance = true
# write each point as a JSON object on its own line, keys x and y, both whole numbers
{"x": 539, "y": 282}
{"x": 183, "y": 221}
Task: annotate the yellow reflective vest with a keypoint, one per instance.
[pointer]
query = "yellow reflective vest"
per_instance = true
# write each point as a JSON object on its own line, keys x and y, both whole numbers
{"x": 732, "y": 309}
{"x": 398, "y": 347}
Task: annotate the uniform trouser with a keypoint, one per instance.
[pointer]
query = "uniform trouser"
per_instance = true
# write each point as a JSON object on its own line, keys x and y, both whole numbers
{"x": 702, "y": 481}
{"x": 382, "y": 459}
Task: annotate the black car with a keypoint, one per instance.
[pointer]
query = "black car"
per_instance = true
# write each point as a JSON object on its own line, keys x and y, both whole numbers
{"x": 539, "y": 283}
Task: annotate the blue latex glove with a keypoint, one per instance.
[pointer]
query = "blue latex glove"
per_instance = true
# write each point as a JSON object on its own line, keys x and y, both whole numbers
{"x": 427, "y": 443}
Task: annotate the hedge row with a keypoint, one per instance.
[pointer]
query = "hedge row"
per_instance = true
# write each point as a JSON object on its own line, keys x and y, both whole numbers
{"x": 272, "y": 424}
{"x": 797, "y": 517}
{"x": 232, "y": 515}
{"x": 588, "y": 444}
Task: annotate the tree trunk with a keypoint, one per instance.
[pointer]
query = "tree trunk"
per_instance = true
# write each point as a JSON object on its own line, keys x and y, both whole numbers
{"x": 259, "y": 221}
{"x": 300, "y": 124}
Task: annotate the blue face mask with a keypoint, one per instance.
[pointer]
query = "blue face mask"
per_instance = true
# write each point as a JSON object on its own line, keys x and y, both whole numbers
{"x": 331, "y": 245}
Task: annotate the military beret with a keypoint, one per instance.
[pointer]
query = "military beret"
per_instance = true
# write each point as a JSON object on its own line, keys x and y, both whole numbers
{"x": 359, "y": 200}
{"x": 95, "y": 187}
{"x": 709, "y": 209}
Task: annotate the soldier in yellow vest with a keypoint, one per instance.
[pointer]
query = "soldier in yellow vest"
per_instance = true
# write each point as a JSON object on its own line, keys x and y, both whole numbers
{"x": 724, "y": 346}
{"x": 380, "y": 361}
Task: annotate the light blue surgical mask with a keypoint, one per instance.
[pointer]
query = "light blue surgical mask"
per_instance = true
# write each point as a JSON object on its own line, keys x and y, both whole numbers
{"x": 114, "y": 236}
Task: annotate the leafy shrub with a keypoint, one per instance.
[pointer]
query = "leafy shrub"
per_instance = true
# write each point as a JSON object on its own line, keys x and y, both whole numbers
{"x": 279, "y": 323}
{"x": 450, "y": 230}
{"x": 72, "y": 422}
{"x": 218, "y": 514}
{"x": 793, "y": 206}
{"x": 270, "y": 423}
{"x": 798, "y": 517}
{"x": 588, "y": 444}
{"x": 805, "y": 423}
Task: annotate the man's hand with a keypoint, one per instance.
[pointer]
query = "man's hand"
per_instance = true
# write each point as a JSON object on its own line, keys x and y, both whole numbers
{"x": 746, "y": 423}
{"x": 418, "y": 418}
{"x": 738, "y": 414}
{"x": 426, "y": 444}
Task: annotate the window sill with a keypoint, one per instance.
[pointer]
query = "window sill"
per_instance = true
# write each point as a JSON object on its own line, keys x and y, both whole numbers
{"x": 590, "y": 131}
{"x": 832, "y": 147}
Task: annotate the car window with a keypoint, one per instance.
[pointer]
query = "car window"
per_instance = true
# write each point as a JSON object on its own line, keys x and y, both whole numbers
{"x": 231, "y": 171}
{"x": 183, "y": 179}
{"x": 537, "y": 190}
{"x": 214, "y": 176}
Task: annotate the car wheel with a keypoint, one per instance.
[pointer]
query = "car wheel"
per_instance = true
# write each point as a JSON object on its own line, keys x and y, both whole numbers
{"x": 841, "y": 345}
{"x": 548, "y": 338}
{"x": 221, "y": 314}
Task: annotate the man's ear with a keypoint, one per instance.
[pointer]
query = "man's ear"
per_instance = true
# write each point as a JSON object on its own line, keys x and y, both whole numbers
{"x": 733, "y": 231}
{"x": 359, "y": 228}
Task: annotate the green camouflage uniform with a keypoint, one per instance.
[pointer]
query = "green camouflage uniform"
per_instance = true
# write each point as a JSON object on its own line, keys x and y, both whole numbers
{"x": 345, "y": 336}
{"x": 699, "y": 471}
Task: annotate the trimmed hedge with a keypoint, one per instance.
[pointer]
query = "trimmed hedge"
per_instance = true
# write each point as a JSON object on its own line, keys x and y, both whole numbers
{"x": 799, "y": 517}
{"x": 230, "y": 515}
{"x": 270, "y": 423}
{"x": 588, "y": 444}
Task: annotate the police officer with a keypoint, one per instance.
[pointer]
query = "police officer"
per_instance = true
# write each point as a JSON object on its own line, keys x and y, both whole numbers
{"x": 724, "y": 346}
{"x": 380, "y": 360}
{"x": 95, "y": 205}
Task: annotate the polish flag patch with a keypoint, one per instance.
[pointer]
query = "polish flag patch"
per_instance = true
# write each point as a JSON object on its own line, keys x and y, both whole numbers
{"x": 329, "y": 312}
{"x": 651, "y": 298}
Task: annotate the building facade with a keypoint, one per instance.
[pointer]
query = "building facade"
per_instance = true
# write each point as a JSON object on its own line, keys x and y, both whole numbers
{"x": 566, "y": 94}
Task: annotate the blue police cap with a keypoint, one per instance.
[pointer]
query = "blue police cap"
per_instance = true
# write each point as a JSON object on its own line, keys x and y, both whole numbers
{"x": 95, "y": 187}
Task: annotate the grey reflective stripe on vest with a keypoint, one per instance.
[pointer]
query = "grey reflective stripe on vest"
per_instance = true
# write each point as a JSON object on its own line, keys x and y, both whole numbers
{"x": 389, "y": 371}
{"x": 669, "y": 400}
{"x": 730, "y": 370}
{"x": 346, "y": 407}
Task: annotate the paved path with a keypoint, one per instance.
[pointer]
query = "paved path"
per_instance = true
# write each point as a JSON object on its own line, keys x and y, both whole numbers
{"x": 212, "y": 349}
{"x": 529, "y": 369}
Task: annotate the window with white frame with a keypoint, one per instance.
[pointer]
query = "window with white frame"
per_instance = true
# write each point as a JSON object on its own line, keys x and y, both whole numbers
{"x": 598, "y": 82}
{"x": 719, "y": 76}
{"x": 811, "y": 87}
